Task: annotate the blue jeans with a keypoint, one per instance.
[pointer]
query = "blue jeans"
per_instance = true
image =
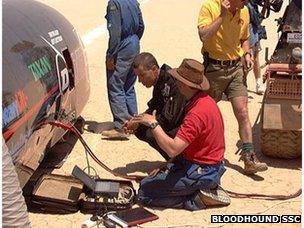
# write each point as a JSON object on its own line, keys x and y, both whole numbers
{"x": 120, "y": 83}
{"x": 179, "y": 186}
{"x": 253, "y": 35}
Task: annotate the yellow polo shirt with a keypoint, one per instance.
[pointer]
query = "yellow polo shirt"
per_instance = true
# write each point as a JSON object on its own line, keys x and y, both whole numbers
{"x": 225, "y": 44}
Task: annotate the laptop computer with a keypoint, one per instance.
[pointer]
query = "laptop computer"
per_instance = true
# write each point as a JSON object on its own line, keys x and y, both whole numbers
{"x": 97, "y": 186}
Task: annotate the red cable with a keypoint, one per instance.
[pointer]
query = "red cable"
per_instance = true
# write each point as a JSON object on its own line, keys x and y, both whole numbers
{"x": 70, "y": 127}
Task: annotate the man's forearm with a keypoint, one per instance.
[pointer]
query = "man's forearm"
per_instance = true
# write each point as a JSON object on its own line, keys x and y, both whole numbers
{"x": 209, "y": 30}
{"x": 114, "y": 27}
{"x": 166, "y": 143}
{"x": 141, "y": 28}
{"x": 247, "y": 57}
{"x": 245, "y": 45}
{"x": 114, "y": 40}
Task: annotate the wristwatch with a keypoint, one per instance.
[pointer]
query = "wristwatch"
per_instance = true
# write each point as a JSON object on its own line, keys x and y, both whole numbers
{"x": 154, "y": 125}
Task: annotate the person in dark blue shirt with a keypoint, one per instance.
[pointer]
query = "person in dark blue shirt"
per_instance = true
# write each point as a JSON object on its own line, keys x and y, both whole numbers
{"x": 125, "y": 25}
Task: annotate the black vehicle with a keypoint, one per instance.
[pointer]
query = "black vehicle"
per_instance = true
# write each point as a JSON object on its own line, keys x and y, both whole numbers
{"x": 45, "y": 75}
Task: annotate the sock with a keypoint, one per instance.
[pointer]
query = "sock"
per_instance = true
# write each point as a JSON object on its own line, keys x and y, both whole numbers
{"x": 247, "y": 147}
{"x": 259, "y": 81}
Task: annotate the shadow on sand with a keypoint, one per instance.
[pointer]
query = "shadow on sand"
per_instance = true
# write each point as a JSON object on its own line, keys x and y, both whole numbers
{"x": 139, "y": 166}
{"x": 98, "y": 128}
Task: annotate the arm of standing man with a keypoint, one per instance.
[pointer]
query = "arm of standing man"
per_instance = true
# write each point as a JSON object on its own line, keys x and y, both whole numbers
{"x": 246, "y": 46}
{"x": 247, "y": 56}
{"x": 208, "y": 30}
{"x": 114, "y": 27}
{"x": 141, "y": 28}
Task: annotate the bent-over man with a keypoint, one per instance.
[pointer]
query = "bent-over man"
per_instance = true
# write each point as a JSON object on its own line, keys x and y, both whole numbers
{"x": 166, "y": 99}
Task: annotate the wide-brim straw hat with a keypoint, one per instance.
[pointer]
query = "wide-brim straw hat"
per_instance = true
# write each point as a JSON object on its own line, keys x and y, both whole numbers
{"x": 191, "y": 73}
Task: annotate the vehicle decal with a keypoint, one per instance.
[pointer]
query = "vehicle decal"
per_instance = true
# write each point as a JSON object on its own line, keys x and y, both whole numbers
{"x": 10, "y": 113}
{"x": 62, "y": 73}
{"x": 52, "y": 46}
{"x": 19, "y": 143}
{"x": 295, "y": 38}
{"x": 65, "y": 82}
{"x": 21, "y": 99}
{"x": 40, "y": 67}
{"x": 55, "y": 37}
{"x": 56, "y": 40}
{"x": 12, "y": 129}
{"x": 53, "y": 33}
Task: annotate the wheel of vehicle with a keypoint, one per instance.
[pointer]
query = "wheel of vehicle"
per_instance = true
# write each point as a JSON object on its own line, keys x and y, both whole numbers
{"x": 281, "y": 144}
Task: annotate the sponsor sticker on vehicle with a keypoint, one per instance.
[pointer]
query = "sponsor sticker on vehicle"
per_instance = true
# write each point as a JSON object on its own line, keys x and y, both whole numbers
{"x": 294, "y": 38}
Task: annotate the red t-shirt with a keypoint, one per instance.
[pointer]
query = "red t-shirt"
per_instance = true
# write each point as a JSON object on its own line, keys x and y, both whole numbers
{"x": 203, "y": 129}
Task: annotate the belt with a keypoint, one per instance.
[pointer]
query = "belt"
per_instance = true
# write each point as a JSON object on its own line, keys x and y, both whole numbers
{"x": 223, "y": 62}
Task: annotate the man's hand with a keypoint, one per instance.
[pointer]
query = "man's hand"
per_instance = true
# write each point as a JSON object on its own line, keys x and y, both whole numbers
{"x": 145, "y": 118}
{"x": 130, "y": 126}
{"x": 225, "y": 6}
{"x": 154, "y": 172}
{"x": 248, "y": 62}
{"x": 110, "y": 64}
{"x": 163, "y": 168}
{"x": 207, "y": 31}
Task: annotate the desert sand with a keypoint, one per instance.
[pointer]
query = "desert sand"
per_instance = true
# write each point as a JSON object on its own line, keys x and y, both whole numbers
{"x": 171, "y": 35}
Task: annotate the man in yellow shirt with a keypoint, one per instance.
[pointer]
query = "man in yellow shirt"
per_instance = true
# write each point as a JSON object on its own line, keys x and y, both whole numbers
{"x": 223, "y": 29}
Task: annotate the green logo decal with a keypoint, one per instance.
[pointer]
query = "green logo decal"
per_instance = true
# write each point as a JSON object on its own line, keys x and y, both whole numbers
{"x": 40, "y": 67}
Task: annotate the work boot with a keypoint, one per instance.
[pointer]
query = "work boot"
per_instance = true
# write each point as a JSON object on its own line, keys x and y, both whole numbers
{"x": 214, "y": 197}
{"x": 252, "y": 164}
{"x": 115, "y": 134}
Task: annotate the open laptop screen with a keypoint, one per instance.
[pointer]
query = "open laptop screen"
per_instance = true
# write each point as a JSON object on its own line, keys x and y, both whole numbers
{"x": 100, "y": 186}
{"x": 84, "y": 177}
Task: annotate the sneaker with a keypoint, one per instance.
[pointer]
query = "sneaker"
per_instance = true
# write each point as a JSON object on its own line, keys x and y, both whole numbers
{"x": 252, "y": 164}
{"x": 114, "y": 134}
{"x": 214, "y": 197}
{"x": 260, "y": 87}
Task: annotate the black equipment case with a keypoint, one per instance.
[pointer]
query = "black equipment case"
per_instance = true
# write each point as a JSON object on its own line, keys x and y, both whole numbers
{"x": 59, "y": 194}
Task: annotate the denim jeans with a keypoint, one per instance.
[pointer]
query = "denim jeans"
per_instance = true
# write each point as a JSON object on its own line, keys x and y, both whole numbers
{"x": 254, "y": 36}
{"x": 179, "y": 186}
{"x": 120, "y": 83}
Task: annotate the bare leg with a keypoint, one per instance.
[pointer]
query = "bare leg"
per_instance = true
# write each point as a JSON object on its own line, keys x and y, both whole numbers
{"x": 256, "y": 66}
{"x": 257, "y": 70}
{"x": 240, "y": 109}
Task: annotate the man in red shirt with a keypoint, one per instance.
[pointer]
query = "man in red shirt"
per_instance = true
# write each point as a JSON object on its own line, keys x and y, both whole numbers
{"x": 198, "y": 148}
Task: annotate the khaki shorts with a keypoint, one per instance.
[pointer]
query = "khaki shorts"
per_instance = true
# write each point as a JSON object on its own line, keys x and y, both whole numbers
{"x": 226, "y": 79}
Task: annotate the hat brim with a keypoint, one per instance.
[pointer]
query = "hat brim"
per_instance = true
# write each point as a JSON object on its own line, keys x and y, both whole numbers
{"x": 203, "y": 86}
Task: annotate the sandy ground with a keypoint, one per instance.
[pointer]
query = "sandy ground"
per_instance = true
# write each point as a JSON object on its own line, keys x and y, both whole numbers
{"x": 171, "y": 35}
